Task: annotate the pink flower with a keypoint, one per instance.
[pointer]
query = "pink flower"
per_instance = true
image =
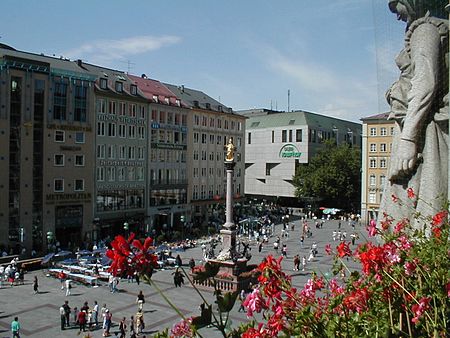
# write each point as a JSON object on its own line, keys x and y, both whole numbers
{"x": 182, "y": 329}
{"x": 410, "y": 267}
{"x": 419, "y": 309}
{"x": 335, "y": 288}
{"x": 372, "y": 228}
{"x": 400, "y": 225}
{"x": 254, "y": 303}
{"x": 411, "y": 193}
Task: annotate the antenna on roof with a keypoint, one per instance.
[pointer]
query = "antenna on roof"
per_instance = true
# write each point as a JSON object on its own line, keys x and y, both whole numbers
{"x": 289, "y": 96}
{"x": 129, "y": 65}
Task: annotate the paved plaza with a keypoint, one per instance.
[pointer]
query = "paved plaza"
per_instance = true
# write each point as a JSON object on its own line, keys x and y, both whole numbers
{"x": 39, "y": 313}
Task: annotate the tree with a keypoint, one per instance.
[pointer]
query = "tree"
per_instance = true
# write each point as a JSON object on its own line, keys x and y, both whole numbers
{"x": 332, "y": 176}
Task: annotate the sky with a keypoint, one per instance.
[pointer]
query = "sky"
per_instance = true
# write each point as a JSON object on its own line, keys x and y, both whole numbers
{"x": 334, "y": 57}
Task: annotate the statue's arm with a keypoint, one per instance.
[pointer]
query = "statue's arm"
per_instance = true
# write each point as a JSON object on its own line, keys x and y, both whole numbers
{"x": 424, "y": 44}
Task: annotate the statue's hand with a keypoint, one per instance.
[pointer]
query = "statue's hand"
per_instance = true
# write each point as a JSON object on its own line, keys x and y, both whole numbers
{"x": 405, "y": 160}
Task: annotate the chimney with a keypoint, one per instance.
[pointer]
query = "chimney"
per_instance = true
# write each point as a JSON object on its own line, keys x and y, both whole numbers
{"x": 80, "y": 63}
{"x": 182, "y": 88}
{"x": 143, "y": 76}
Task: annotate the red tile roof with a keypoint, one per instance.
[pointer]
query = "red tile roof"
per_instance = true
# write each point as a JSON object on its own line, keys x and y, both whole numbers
{"x": 150, "y": 88}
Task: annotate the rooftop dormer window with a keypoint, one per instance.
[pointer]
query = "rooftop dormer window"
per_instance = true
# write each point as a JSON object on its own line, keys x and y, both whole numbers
{"x": 196, "y": 104}
{"x": 219, "y": 108}
{"x": 103, "y": 83}
{"x": 166, "y": 99}
{"x": 119, "y": 86}
{"x": 155, "y": 98}
{"x": 208, "y": 105}
{"x": 178, "y": 102}
{"x": 133, "y": 89}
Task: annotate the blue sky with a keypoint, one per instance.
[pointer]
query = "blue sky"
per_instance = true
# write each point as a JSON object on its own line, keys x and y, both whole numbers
{"x": 335, "y": 56}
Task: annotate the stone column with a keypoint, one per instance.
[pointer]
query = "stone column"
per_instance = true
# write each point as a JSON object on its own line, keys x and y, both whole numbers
{"x": 228, "y": 231}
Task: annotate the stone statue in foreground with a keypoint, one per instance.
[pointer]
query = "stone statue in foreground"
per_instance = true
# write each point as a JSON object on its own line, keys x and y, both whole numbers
{"x": 419, "y": 106}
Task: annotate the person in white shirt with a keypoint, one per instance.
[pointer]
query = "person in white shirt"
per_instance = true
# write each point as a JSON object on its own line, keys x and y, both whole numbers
{"x": 68, "y": 287}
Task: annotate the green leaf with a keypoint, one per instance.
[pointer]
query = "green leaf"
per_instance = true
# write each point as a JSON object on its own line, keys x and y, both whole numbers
{"x": 226, "y": 302}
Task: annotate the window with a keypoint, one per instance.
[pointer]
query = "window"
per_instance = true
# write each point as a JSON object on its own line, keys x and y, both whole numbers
{"x": 372, "y": 163}
{"x": 131, "y": 153}
{"x": 372, "y": 180}
{"x": 122, "y": 130}
{"x": 383, "y": 131}
{"x": 132, "y": 110}
{"x": 58, "y": 160}
{"x": 169, "y": 118}
{"x": 103, "y": 83}
{"x": 122, "y": 152}
{"x": 79, "y": 160}
{"x": 79, "y": 185}
{"x": 195, "y": 137}
{"x": 80, "y": 107}
{"x": 140, "y": 173}
{"x": 101, "y": 150}
{"x": 373, "y": 131}
{"x": 203, "y": 138}
{"x": 142, "y": 112}
{"x": 111, "y": 173}
{"x": 290, "y": 135}
{"x": 121, "y": 174}
{"x": 140, "y": 153}
{"x": 383, "y": 162}
{"x": 100, "y": 174}
{"x": 111, "y": 151}
{"x": 162, "y": 117}
{"x": 299, "y": 135}
{"x": 112, "y": 107}
{"x": 133, "y": 89}
{"x": 119, "y": 86}
{"x": 122, "y": 108}
{"x": 154, "y": 115}
{"x": 249, "y": 138}
{"x": 373, "y": 147}
{"x": 383, "y": 147}
{"x": 79, "y": 137}
{"x": 382, "y": 181}
{"x": 111, "y": 129}
{"x": 273, "y": 136}
{"x": 284, "y": 136}
{"x": 58, "y": 185}
{"x": 392, "y": 131}
{"x": 372, "y": 197}
{"x": 59, "y": 136}
{"x": 141, "y": 132}
{"x": 100, "y": 128}
{"x": 219, "y": 123}
{"x": 101, "y": 106}
{"x": 131, "y": 173}
{"x": 132, "y": 131}
{"x": 60, "y": 101}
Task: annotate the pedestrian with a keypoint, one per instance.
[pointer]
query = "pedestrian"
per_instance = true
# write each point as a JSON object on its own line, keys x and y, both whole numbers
{"x": 284, "y": 250}
{"x": 68, "y": 287}
{"x": 82, "y": 320}
{"x": 178, "y": 278}
{"x": 122, "y": 327}
{"x": 136, "y": 277}
{"x": 35, "y": 285}
{"x": 85, "y": 307}
{"x": 107, "y": 323}
{"x": 67, "y": 311}
{"x": 62, "y": 315}
{"x": 303, "y": 263}
{"x": 95, "y": 313}
{"x": 260, "y": 246}
{"x": 296, "y": 263}
{"x": 140, "y": 300}
{"x": 62, "y": 278}
{"x": 178, "y": 261}
{"x": 115, "y": 282}
{"x": 15, "y": 328}
{"x": 191, "y": 264}
{"x": 139, "y": 322}
{"x": 132, "y": 330}
{"x": 241, "y": 299}
{"x": 75, "y": 315}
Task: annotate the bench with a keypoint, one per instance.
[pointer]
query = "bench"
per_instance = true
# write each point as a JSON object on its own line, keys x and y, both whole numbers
{"x": 30, "y": 264}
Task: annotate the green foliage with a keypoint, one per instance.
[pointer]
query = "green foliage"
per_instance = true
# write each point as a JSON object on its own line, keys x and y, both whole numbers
{"x": 226, "y": 302}
{"x": 333, "y": 175}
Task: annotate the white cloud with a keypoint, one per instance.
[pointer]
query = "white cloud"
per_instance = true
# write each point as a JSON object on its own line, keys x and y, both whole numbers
{"x": 106, "y": 51}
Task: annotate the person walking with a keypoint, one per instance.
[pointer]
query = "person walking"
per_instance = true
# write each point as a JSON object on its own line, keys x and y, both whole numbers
{"x": 68, "y": 287}
{"x": 95, "y": 314}
{"x": 122, "y": 327}
{"x": 107, "y": 326}
{"x": 140, "y": 300}
{"x": 296, "y": 263}
{"x": 132, "y": 330}
{"x": 82, "y": 320}
{"x": 62, "y": 315}
{"x": 15, "y": 328}
{"x": 35, "y": 285}
{"x": 67, "y": 311}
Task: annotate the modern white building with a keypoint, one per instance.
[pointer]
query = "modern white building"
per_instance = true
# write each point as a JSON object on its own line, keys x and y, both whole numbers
{"x": 277, "y": 142}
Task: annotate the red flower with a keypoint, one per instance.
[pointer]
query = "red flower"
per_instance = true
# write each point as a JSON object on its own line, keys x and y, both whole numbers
{"x": 328, "y": 249}
{"x": 411, "y": 193}
{"x": 439, "y": 218}
{"x": 419, "y": 309}
{"x": 343, "y": 249}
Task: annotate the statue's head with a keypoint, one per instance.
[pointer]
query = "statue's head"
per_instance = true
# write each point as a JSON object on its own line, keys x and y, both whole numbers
{"x": 410, "y": 10}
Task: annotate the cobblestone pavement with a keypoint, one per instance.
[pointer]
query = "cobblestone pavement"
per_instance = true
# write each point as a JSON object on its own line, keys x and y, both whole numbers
{"x": 39, "y": 313}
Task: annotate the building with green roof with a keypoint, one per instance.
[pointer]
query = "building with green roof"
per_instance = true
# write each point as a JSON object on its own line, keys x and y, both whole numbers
{"x": 278, "y": 142}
